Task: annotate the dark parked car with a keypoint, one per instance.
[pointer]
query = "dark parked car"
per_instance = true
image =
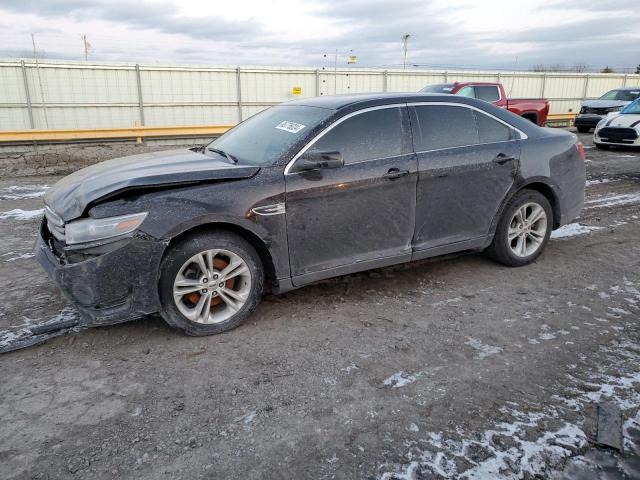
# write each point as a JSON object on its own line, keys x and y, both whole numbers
{"x": 592, "y": 111}
{"x": 303, "y": 191}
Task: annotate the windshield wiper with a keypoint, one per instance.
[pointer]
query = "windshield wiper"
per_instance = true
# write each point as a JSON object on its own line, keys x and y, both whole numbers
{"x": 224, "y": 154}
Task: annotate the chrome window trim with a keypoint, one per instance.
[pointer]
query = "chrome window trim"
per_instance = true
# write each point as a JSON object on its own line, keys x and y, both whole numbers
{"x": 523, "y": 136}
{"x": 287, "y": 170}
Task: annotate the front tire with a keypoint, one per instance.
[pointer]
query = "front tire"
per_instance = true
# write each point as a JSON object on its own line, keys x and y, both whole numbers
{"x": 210, "y": 283}
{"x": 523, "y": 230}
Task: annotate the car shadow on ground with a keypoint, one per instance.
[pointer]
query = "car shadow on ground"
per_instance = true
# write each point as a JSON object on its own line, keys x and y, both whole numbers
{"x": 393, "y": 284}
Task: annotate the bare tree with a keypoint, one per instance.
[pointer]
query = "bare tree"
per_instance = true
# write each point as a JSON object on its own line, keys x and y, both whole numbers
{"x": 558, "y": 67}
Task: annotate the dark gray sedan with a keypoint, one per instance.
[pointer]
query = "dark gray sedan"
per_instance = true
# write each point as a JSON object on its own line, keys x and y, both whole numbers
{"x": 301, "y": 192}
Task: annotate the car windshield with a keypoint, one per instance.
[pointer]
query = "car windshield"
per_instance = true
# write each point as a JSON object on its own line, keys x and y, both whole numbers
{"x": 633, "y": 108}
{"x": 265, "y": 137}
{"x": 622, "y": 95}
{"x": 438, "y": 88}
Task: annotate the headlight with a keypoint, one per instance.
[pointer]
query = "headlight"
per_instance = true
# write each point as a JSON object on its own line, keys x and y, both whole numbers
{"x": 614, "y": 109}
{"x": 95, "y": 229}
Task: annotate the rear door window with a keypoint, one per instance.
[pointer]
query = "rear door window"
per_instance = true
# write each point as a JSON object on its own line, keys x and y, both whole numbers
{"x": 488, "y": 93}
{"x": 366, "y": 136}
{"x": 444, "y": 126}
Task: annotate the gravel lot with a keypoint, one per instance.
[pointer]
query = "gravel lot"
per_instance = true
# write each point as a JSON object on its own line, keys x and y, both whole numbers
{"x": 446, "y": 369}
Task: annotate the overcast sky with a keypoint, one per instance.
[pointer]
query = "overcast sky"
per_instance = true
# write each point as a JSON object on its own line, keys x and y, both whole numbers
{"x": 505, "y": 34}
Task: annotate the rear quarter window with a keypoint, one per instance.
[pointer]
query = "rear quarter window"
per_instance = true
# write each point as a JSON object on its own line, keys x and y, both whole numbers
{"x": 491, "y": 130}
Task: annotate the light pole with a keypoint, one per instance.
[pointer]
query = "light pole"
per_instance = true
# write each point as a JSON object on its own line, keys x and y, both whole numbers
{"x": 405, "y": 40}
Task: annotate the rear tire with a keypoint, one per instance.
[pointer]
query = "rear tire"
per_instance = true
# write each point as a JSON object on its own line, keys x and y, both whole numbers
{"x": 583, "y": 129}
{"x": 523, "y": 230}
{"x": 210, "y": 283}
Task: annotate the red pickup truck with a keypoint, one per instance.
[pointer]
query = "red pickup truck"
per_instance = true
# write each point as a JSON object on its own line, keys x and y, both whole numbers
{"x": 534, "y": 109}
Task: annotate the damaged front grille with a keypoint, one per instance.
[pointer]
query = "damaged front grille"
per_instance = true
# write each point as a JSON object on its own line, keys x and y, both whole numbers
{"x": 594, "y": 110}
{"x": 55, "y": 224}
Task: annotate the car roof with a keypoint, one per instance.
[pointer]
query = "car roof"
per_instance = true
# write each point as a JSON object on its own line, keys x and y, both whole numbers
{"x": 338, "y": 102}
{"x": 626, "y": 88}
{"x": 343, "y": 104}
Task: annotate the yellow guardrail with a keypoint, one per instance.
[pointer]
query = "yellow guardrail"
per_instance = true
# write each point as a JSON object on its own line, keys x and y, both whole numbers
{"x": 567, "y": 118}
{"x": 138, "y": 133}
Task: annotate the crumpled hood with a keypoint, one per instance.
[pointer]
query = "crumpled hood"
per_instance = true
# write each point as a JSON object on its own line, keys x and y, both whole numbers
{"x": 604, "y": 103}
{"x": 71, "y": 195}
{"x": 624, "y": 120}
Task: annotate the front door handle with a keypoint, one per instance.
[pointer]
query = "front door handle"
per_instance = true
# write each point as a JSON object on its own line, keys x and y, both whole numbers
{"x": 501, "y": 159}
{"x": 394, "y": 173}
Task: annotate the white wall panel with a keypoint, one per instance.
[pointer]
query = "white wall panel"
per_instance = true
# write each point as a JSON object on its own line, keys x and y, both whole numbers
{"x": 11, "y": 85}
{"x": 81, "y": 95}
{"x": 14, "y": 118}
{"x": 71, "y": 117}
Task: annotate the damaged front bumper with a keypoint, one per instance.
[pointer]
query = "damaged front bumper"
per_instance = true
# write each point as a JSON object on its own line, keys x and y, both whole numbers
{"x": 112, "y": 287}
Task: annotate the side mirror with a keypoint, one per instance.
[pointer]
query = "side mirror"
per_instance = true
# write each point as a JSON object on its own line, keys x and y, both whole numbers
{"x": 318, "y": 160}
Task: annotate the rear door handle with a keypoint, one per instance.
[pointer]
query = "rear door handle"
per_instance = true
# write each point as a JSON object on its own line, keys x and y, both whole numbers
{"x": 394, "y": 173}
{"x": 501, "y": 159}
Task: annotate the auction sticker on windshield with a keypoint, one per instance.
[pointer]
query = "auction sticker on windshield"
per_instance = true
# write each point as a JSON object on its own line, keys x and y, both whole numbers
{"x": 291, "y": 127}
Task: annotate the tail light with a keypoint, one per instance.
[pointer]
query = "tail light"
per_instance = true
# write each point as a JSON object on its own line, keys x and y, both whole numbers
{"x": 581, "y": 151}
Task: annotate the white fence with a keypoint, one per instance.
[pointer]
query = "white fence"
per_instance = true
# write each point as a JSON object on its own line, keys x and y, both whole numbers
{"x": 69, "y": 95}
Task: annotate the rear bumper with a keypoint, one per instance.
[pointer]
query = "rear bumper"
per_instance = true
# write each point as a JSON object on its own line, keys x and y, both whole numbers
{"x": 111, "y": 288}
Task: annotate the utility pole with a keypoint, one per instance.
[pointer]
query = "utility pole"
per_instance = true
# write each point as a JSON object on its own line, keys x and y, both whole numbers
{"x": 35, "y": 57}
{"x": 405, "y": 40}
{"x": 87, "y": 47}
{"x": 335, "y": 73}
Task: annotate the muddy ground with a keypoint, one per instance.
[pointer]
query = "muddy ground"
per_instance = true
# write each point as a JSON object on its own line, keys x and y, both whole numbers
{"x": 459, "y": 368}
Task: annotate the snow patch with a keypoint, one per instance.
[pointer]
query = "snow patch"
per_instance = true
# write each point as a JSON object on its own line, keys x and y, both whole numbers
{"x": 349, "y": 368}
{"x": 20, "y": 192}
{"x": 572, "y": 230}
{"x": 19, "y": 214}
{"x": 400, "y": 379}
{"x": 612, "y": 200}
{"x": 619, "y": 311}
{"x": 483, "y": 349}
{"x": 247, "y": 418}
{"x": 16, "y": 256}
{"x": 447, "y": 301}
{"x": 597, "y": 182}
{"x": 524, "y": 455}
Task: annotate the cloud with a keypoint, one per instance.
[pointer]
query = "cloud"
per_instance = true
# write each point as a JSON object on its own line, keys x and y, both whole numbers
{"x": 463, "y": 33}
{"x": 163, "y": 16}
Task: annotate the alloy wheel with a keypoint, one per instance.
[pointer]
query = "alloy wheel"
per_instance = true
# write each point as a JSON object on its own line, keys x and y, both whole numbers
{"x": 212, "y": 286}
{"x": 527, "y": 229}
